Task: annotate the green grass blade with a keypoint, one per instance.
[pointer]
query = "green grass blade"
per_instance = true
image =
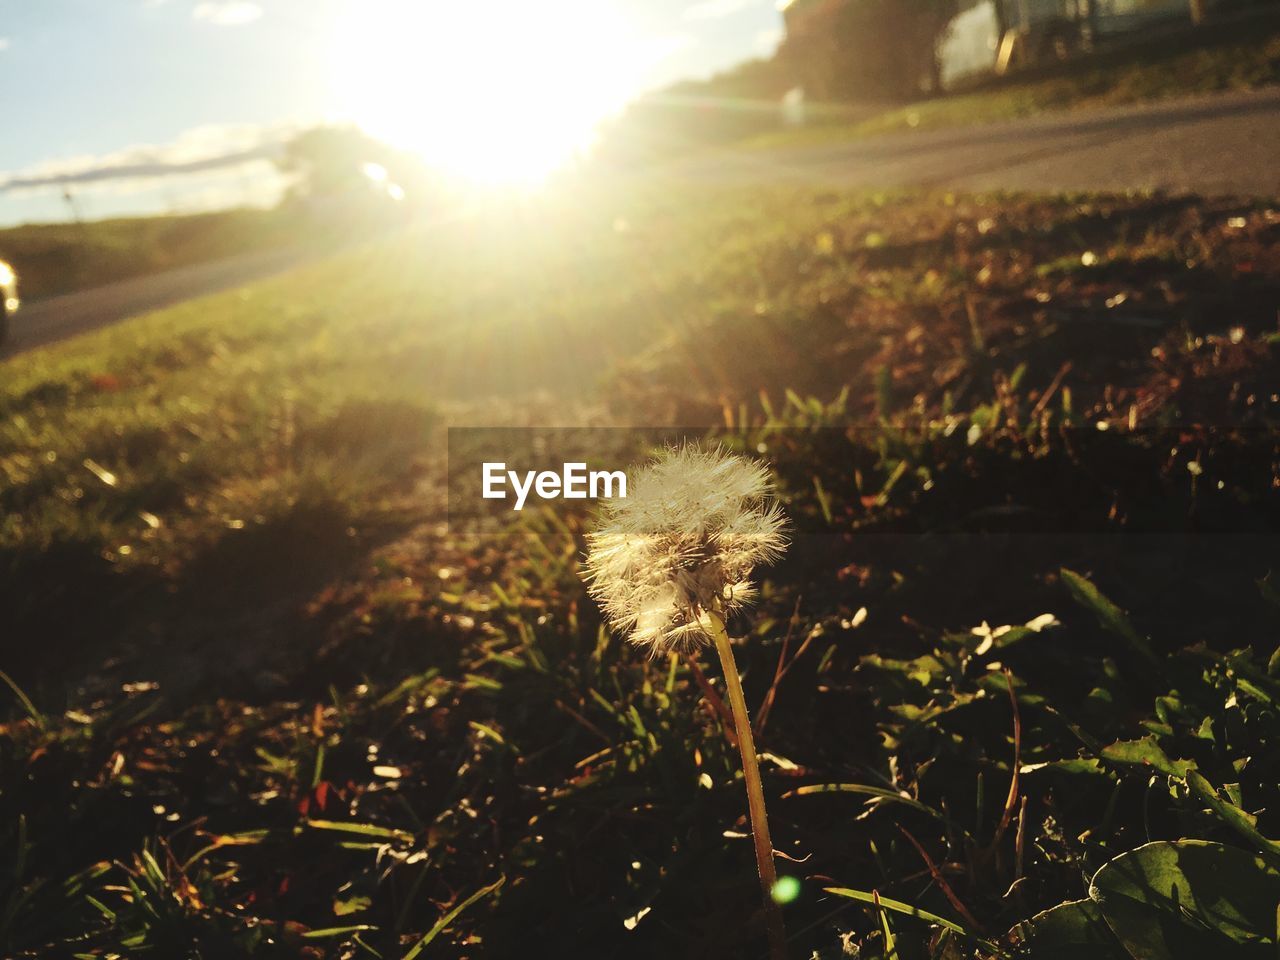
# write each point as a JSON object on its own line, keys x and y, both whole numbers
{"x": 36, "y": 716}
{"x": 1109, "y": 615}
{"x": 449, "y": 917}
{"x": 364, "y": 829}
{"x": 897, "y": 906}
{"x": 890, "y": 944}
{"x": 880, "y": 793}
{"x": 330, "y": 932}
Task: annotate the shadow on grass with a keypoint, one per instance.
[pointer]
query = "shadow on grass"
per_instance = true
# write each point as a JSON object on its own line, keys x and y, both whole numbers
{"x": 221, "y": 604}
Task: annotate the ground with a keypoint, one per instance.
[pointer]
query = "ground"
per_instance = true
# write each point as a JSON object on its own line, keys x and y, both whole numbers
{"x": 267, "y": 701}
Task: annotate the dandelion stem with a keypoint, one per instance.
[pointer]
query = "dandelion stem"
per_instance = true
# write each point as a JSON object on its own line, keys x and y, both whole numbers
{"x": 755, "y": 790}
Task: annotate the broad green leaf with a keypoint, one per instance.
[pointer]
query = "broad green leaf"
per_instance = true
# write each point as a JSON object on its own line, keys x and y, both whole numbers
{"x": 1074, "y": 766}
{"x": 1243, "y": 822}
{"x": 344, "y": 908}
{"x": 1109, "y": 615}
{"x": 1069, "y": 931}
{"x": 1190, "y": 900}
{"x": 1146, "y": 752}
{"x": 1255, "y": 691}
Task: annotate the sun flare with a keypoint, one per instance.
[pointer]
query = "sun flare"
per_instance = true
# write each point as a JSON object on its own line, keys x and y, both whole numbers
{"x": 503, "y": 92}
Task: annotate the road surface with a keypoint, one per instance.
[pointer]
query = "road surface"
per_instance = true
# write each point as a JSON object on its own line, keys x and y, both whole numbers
{"x": 40, "y": 322}
{"x": 1220, "y": 144}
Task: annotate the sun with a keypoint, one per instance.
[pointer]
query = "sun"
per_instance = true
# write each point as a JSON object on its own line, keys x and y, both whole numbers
{"x": 501, "y": 92}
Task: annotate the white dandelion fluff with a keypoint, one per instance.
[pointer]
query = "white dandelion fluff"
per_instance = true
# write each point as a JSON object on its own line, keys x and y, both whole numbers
{"x": 683, "y": 541}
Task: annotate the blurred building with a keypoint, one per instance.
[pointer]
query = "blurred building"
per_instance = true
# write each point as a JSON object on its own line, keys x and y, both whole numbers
{"x": 811, "y": 43}
{"x": 806, "y": 17}
{"x": 995, "y": 36}
{"x": 861, "y": 50}
{"x": 877, "y": 49}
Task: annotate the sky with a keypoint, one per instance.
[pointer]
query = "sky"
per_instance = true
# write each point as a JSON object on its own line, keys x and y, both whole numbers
{"x": 147, "y": 106}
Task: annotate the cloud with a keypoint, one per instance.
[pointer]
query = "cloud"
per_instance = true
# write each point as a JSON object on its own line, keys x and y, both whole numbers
{"x": 227, "y": 13}
{"x": 199, "y": 150}
{"x": 716, "y": 9}
{"x": 5, "y": 43}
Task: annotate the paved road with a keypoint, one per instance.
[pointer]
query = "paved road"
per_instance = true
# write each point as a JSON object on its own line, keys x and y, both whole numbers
{"x": 45, "y": 321}
{"x": 1224, "y": 144}
{"x": 1221, "y": 144}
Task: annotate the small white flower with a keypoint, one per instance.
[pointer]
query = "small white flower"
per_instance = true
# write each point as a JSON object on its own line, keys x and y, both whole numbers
{"x": 693, "y": 526}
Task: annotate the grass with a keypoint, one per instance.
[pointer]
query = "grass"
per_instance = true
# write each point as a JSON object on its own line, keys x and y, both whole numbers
{"x": 1244, "y": 62}
{"x": 272, "y": 705}
{"x": 59, "y": 258}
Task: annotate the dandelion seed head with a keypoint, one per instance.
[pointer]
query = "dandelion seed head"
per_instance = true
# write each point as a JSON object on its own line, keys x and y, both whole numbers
{"x": 693, "y": 526}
